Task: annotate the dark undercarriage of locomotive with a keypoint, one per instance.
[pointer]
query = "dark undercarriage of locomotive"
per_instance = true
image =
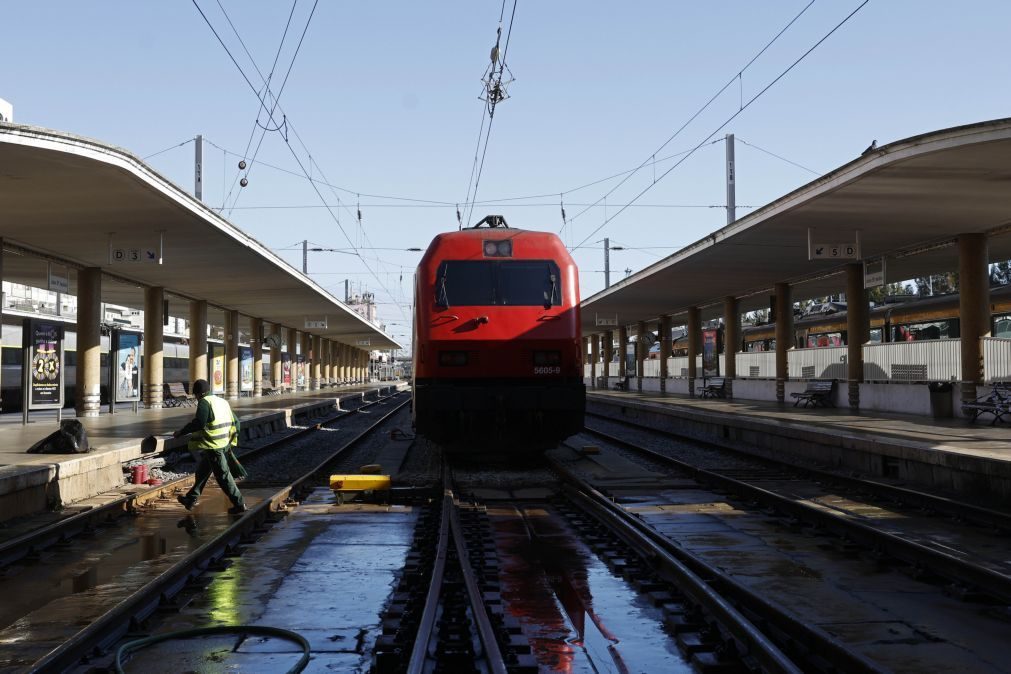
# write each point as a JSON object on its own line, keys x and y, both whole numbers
{"x": 521, "y": 414}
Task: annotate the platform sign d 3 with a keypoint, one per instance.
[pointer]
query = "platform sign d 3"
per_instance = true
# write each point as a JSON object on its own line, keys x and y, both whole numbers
{"x": 315, "y": 324}
{"x": 606, "y": 321}
{"x": 363, "y": 342}
{"x": 43, "y": 342}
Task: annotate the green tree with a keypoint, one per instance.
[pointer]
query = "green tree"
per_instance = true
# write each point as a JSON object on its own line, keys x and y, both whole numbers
{"x": 879, "y": 294}
{"x": 937, "y": 284}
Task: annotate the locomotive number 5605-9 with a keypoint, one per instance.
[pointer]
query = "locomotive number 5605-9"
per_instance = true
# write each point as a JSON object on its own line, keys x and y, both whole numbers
{"x": 548, "y": 369}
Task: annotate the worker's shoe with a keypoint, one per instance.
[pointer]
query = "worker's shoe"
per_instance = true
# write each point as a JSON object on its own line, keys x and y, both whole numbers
{"x": 187, "y": 502}
{"x": 237, "y": 510}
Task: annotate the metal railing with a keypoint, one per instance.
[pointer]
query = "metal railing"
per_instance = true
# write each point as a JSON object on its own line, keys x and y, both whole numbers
{"x": 929, "y": 360}
{"x": 996, "y": 358}
{"x": 759, "y": 364}
{"x": 827, "y": 362}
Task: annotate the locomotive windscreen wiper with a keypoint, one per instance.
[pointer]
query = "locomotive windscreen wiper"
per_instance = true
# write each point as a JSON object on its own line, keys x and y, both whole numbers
{"x": 442, "y": 299}
{"x": 549, "y": 299}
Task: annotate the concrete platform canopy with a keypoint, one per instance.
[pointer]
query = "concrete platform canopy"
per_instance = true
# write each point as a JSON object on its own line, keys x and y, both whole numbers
{"x": 75, "y": 201}
{"x": 909, "y": 201}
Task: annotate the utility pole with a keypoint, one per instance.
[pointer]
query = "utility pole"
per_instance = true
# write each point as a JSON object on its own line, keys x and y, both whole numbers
{"x": 607, "y": 263}
{"x": 347, "y": 290}
{"x": 731, "y": 181}
{"x": 198, "y": 168}
{"x": 305, "y": 257}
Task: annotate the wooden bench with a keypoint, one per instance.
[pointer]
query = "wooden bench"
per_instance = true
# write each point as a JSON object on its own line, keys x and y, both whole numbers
{"x": 997, "y": 403}
{"x": 818, "y": 393}
{"x": 174, "y": 395}
{"x": 714, "y": 387}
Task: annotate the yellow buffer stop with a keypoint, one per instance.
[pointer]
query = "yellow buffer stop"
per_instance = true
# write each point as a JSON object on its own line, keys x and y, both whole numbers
{"x": 346, "y": 483}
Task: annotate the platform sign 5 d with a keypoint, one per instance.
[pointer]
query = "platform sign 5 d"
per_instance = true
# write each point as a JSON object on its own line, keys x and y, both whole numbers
{"x": 823, "y": 245}
{"x": 606, "y": 321}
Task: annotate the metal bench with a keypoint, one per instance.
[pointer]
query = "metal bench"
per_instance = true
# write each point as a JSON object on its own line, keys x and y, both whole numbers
{"x": 621, "y": 384}
{"x": 818, "y": 393}
{"x": 714, "y": 387}
{"x": 174, "y": 395}
{"x": 996, "y": 403}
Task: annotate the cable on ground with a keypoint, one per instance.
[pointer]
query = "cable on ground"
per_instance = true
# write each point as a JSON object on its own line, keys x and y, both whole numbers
{"x": 261, "y": 630}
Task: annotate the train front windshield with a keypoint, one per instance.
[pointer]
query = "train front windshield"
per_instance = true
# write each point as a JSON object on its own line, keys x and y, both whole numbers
{"x": 517, "y": 283}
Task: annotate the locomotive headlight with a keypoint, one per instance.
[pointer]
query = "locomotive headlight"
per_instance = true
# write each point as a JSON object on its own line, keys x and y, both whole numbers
{"x": 453, "y": 358}
{"x": 498, "y": 248}
{"x": 542, "y": 358}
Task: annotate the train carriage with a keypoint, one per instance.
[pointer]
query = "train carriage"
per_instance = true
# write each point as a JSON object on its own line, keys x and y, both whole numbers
{"x": 497, "y": 339}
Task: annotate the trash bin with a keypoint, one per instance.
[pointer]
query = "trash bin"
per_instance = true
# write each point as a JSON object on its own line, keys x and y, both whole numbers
{"x": 940, "y": 399}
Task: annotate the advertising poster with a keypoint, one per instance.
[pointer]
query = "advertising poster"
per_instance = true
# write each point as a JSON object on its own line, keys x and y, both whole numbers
{"x": 245, "y": 368}
{"x": 127, "y": 366}
{"x": 286, "y": 370}
{"x": 45, "y": 375}
{"x": 710, "y": 353}
{"x": 217, "y": 363}
{"x": 301, "y": 371}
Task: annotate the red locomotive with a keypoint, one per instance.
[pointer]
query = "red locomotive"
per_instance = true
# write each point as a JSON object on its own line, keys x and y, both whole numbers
{"x": 496, "y": 339}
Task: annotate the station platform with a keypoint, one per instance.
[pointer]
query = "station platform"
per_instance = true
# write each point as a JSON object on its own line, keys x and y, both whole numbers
{"x": 32, "y": 483}
{"x": 949, "y": 456}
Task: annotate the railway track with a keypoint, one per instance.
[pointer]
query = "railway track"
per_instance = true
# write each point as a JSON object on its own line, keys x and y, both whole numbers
{"x": 967, "y": 545}
{"x": 826, "y": 602}
{"x": 104, "y": 618}
{"x": 63, "y": 531}
{"x": 517, "y": 577}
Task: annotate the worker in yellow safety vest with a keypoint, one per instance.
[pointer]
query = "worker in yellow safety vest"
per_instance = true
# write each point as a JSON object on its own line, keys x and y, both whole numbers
{"x": 212, "y": 432}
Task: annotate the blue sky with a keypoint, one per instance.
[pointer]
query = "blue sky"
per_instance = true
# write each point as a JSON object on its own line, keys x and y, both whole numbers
{"x": 384, "y": 95}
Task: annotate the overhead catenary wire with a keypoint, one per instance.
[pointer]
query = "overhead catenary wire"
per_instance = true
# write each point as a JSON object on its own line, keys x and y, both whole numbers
{"x": 773, "y": 154}
{"x": 702, "y": 109}
{"x": 495, "y": 93}
{"x": 277, "y": 97}
{"x": 266, "y": 81}
{"x": 287, "y": 144}
{"x": 729, "y": 119}
{"x": 170, "y": 148}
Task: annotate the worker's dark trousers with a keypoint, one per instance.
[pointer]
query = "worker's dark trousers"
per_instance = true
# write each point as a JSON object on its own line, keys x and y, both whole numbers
{"x": 215, "y": 461}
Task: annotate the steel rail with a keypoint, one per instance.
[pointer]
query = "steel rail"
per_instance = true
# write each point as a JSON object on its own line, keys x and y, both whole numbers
{"x": 111, "y": 626}
{"x": 485, "y": 630}
{"x": 906, "y": 550}
{"x": 980, "y": 515}
{"x": 60, "y": 531}
{"x": 451, "y": 528}
{"x": 718, "y": 594}
{"x": 426, "y": 625}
